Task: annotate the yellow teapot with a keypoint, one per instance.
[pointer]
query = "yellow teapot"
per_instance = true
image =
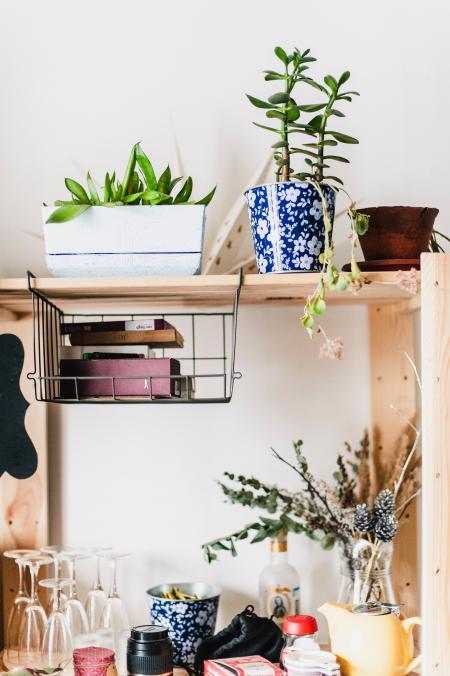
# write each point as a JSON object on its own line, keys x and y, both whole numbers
{"x": 372, "y": 642}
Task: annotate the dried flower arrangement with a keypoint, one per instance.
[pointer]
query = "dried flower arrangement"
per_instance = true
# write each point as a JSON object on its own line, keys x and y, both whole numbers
{"x": 362, "y": 505}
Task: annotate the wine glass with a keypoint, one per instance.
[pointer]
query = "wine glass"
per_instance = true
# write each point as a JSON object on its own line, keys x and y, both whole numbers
{"x": 73, "y": 608}
{"x": 32, "y": 626}
{"x": 11, "y": 657}
{"x": 57, "y": 640}
{"x": 114, "y": 614}
{"x": 53, "y": 551}
{"x": 96, "y": 597}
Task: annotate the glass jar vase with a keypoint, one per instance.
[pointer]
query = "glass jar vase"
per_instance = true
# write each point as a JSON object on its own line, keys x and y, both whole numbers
{"x": 366, "y": 572}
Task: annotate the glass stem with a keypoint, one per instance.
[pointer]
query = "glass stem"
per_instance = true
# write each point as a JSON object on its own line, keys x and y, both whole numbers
{"x": 21, "y": 591}
{"x": 98, "y": 581}
{"x": 34, "y": 569}
{"x": 113, "y": 593}
{"x": 71, "y": 567}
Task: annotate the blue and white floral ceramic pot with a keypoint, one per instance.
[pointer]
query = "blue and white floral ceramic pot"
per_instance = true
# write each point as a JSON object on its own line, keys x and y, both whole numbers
{"x": 287, "y": 225}
{"x": 188, "y": 622}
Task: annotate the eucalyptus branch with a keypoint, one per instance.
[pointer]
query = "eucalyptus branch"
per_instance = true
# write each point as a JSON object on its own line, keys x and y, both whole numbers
{"x": 314, "y": 492}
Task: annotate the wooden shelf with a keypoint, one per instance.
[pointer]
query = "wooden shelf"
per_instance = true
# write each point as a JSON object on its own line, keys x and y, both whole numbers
{"x": 210, "y": 290}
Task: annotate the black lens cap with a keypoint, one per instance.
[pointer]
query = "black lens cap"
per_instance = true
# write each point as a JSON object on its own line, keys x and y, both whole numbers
{"x": 146, "y": 633}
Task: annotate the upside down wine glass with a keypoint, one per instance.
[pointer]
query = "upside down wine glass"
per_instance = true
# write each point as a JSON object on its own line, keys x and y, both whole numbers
{"x": 73, "y": 608}
{"x": 96, "y": 597}
{"x": 32, "y": 626}
{"x": 57, "y": 640}
{"x": 17, "y": 611}
{"x": 114, "y": 614}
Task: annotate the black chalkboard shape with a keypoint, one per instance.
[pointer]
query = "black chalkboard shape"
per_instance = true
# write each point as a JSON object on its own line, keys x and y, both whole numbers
{"x": 18, "y": 456}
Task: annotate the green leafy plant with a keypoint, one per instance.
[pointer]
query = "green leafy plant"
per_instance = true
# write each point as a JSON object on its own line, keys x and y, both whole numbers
{"x": 282, "y": 106}
{"x": 138, "y": 186}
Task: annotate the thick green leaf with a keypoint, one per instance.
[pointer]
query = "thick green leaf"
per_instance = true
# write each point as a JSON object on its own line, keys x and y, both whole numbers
{"x": 274, "y": 75}
{"x": 304, "y": 152}
{"x": 146, "y": 167}
{"x": 258, "y": 102}
{"x": 275, "y": 114}
{"x": 336, "y": 112}
{"x": 343, "y": 138}
{"x": 67, "y": 213}
{"x": 154, "y": 196}
{"x": 344, "y": 77}
{"x": 107, "y": 188}
{"x": 127, "y": 185}
{"x": 292, "y": 113}
{"x": 315, "y": 84}
{"x": 185, "y": 192}
{"x": 207, "y": 199}
{"x": 77, "y": 190}
{"x": 173, "y": 183}
{"x": 164, "y": 181}
{"x": 279, "y": 51}
{"x": 95, "y": 199}
{"x": 328, "y": 142}
{"x": 263, "y": 126}
{"x": 312, "y": 107}
{"x": 279, "y": 97}
{"x": 132, "y": 198}
{"x": 280, "y": 144}
{"x": 336, "y": 158}
{"x": 316, "y": 123}
{"x": 333, "y": 178}
{"x": 331, "y": 82}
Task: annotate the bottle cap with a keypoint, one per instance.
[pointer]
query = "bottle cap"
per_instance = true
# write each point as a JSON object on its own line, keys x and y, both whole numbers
{"x": 299, "y": 625}
{"x": 92, "y": 656}
{"x": 279, "y": 543}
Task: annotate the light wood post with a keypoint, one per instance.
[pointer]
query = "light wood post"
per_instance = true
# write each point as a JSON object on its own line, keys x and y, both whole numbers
{"x": 393, "y": 384}
{"x": 23, "y": 504}
{"x": 436, "y": 463}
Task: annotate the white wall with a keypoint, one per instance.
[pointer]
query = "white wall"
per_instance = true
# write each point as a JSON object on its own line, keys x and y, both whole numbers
{"x": 80, "y": 83}
{"x": 142, "y": 477}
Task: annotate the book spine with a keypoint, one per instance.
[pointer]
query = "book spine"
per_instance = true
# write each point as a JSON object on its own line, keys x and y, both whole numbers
{"x": 118, "y": 325}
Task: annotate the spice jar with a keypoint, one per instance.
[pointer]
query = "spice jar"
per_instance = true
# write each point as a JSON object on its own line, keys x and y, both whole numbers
{"x": 295, "y": 627}
{"x": 93, "y": 661}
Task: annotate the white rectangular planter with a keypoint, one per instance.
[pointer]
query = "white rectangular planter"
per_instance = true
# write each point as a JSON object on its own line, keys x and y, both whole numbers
{"x": 128, "y": 240}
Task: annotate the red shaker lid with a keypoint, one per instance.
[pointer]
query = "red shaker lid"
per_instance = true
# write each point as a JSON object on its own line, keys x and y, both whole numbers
{"x": 299, "y": 625}
{"x": 92, "y": 655}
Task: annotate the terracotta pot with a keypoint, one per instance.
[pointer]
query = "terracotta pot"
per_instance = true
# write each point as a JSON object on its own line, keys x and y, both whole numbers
{"x": 397, "y": 232}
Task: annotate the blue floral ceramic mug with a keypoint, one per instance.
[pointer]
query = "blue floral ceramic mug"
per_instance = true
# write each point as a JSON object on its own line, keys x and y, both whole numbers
{"x": 288, "y": 226}
{"x": 188, "y": 622}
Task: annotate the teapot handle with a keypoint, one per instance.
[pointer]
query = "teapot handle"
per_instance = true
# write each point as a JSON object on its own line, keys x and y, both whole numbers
{"x": 408, "y": 626}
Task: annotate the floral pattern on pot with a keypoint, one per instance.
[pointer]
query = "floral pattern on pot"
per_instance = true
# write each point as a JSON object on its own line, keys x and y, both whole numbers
{"x": 287, "y": 225}
{"x": 188, "y": 622}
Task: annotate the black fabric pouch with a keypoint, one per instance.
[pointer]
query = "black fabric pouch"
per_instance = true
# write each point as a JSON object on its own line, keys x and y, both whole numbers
{"x": 247, "y": 634}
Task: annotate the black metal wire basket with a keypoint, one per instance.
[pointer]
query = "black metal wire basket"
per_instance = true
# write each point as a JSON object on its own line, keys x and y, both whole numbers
{"x": 205, "y": 375}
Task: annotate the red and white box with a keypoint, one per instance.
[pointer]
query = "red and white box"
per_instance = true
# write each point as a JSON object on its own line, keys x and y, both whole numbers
{"x": 254, "y": 665}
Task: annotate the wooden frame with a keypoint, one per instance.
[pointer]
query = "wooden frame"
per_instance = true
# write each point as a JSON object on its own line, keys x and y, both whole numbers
{"x": 391, "y": 318}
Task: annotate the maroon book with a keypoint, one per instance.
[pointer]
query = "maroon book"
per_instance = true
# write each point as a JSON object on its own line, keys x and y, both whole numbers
{"x": 142, "y": 377}
{"x": 68, "y": 328}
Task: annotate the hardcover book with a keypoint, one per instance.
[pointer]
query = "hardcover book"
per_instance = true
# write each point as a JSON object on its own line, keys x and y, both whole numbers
{"x": 66, "y": 328}
{"x": 122, "y": 377}
{"x": 154, "y": 338}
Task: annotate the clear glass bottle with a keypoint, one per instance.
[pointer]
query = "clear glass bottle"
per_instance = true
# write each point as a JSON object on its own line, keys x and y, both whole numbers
{"x": 279, "y": 584}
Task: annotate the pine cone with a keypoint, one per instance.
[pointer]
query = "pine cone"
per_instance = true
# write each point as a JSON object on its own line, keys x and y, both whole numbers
{"x": 363, "y": 518}
{"x": 386, "y": 528}
{"x": 384, "y": 503}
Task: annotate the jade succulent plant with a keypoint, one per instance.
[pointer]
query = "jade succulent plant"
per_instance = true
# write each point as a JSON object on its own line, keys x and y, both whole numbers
{"x": 139, "y": 185}
{"x": 282, "y": 106}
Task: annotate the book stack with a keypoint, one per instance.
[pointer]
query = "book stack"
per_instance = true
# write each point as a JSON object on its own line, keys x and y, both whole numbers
{"x": 115, "y": 359}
